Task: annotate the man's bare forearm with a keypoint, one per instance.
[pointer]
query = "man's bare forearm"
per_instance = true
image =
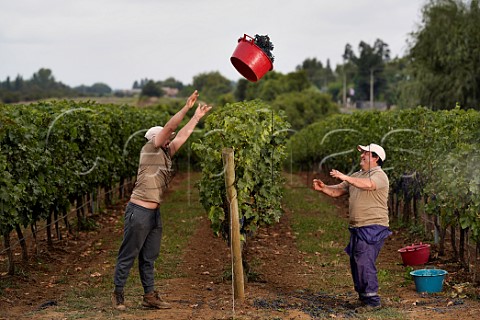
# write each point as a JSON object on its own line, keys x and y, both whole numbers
{"x": 333, "y": 191}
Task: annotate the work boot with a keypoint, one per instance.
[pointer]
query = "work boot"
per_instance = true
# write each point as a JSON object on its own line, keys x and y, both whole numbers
{"x": 153, "y": 300}
{"x": 118, "y": 301}
{"x": 354, "y": 304}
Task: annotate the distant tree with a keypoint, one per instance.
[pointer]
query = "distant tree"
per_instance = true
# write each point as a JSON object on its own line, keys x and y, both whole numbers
{"x": 297, "y": 81}
{"x": 101, "y": 89}
{"x": 97, "y": 89}
{"x": 43, "y": 78}
{"x": 240, "y": 92}
{"x": 41, "y": 85}
{"x": 398, "y": 91}
{"x": 370, "y": 62}
{"x": 82, "y": 90}
{"x": 316, "y": 73}
{"x": 305, "y": 107}
{"x": 274, "y": 84}
{"x": 293, "y": 93}
{"x": 211, "y": 86}
{"x": 334, "y": 89}
{"x": 445, "y": 53}
{"x": 152, "y": 89}
{"x": 18, "y": 84}
{"x": 172, "y": 83}
{"x": 313, "y": 70}
{"x": 186, "y": 91}
{"x": 267, "y": 89}
{"x": 329, "y": 75}
{"x": 7, "y": 85}
{"x": 140, "y": 84}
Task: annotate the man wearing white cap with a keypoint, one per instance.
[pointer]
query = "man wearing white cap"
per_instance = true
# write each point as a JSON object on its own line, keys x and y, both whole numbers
{"x": 143, "y": 226}
{"x": 368, "y": 219}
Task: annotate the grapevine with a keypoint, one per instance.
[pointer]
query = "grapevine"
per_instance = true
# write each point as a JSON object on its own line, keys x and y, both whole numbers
{"x": 257, "y": 134}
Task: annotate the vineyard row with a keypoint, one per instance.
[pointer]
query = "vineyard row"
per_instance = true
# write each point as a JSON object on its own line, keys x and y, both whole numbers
{"x": 433, "y": 161}
{"x": 54, "y": 154}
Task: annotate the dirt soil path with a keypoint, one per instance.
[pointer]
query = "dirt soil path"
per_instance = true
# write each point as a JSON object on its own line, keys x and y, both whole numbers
{"x": 204, "y": 291}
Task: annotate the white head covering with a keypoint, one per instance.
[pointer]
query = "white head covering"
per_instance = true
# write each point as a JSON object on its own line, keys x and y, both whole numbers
{"x": 372, "y": 147}
{"x": 152, "y": 132}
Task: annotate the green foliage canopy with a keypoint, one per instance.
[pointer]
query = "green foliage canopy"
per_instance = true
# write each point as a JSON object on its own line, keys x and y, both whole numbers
{"x": 305, "y": 107}
{"x": 212, "y": 86}
{"x": 445, "y": 54}
{"x": 257, "y": 134}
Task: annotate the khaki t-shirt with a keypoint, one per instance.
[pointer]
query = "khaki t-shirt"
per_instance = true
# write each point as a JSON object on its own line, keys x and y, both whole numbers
{"x": 368, "y": 207}
{"x": 154, "y": 173}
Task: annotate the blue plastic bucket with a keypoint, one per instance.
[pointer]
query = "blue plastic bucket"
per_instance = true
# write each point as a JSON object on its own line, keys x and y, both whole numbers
{"x": 428, "y": 280}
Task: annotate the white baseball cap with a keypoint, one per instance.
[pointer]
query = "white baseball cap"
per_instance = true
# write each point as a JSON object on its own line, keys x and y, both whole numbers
{"x": 152, "y": 132}
{"x": 372, "y": 147}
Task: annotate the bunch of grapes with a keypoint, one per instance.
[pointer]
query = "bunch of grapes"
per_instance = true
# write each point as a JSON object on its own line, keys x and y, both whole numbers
{"x": 263, "y": 42}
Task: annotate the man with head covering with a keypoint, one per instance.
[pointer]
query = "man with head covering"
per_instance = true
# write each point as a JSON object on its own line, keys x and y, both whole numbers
{"x": 143, "y": 225}
{"x": 368, "y": 219}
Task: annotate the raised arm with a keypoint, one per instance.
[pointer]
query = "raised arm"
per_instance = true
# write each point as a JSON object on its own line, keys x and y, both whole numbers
{"x": 173, "y": 123}
{"x": 361, "y": 183}
{"x": 187, "y": 130}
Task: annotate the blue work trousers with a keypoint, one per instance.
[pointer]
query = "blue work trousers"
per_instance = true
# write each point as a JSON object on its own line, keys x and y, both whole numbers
{"x": 363, "y": 249}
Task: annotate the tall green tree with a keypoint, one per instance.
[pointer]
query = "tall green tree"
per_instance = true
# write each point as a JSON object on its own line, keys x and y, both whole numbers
{"x": 370, "y": 63}
{"x": 316, "y": 73}
{"x": 43, "y": 78}
{"x": 445, "y": 54}
{"x": 398, "y": 91}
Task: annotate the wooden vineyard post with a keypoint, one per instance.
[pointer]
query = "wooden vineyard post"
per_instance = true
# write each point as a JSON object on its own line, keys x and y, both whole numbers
{"x": 238, "y": 284}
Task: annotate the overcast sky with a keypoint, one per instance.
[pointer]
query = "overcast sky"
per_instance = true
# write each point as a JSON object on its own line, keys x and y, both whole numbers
{"x": 119, "y": 41}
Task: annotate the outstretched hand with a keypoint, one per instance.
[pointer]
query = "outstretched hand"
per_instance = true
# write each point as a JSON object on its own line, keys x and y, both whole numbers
{"x": 192, "y": 99}
{"x": 337, "y": 174}
{"x": 202, "y": 110}
{"x": 318, "y": 184}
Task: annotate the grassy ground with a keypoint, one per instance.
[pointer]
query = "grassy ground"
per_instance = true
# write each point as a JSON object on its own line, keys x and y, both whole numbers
{"x": 320, "y": 232}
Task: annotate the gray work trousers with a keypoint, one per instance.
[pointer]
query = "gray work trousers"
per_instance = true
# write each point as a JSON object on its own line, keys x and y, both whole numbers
{"x": 142, "y": 235}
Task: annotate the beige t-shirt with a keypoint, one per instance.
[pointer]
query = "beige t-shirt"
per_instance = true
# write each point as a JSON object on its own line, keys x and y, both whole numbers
{"x": 154, "y": 174}
{"x": 368, "y": 207}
